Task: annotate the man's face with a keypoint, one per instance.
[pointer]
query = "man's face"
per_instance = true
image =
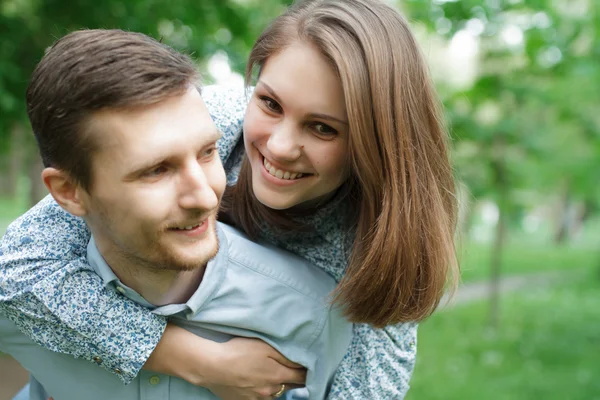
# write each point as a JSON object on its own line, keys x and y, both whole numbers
{"x": 156, "y": 184}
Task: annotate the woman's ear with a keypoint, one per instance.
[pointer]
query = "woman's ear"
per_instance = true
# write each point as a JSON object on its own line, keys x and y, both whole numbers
{"x": 65, "y": 191}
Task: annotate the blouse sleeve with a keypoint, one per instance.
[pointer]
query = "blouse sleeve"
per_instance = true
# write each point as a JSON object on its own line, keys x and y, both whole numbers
{"x": 378, "y": 364}
{"x": 53, "y": 296}
{"x": 227, "y": 107}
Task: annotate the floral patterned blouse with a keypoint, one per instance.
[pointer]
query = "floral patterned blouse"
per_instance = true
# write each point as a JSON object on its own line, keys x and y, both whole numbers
{"x": 49, "y": 291}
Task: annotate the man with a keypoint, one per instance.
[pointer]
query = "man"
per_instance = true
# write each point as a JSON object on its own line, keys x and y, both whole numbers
{"x": 129, "y": 146}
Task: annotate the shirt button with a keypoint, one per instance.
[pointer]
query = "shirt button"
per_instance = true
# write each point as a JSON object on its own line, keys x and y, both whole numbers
{"x": 155, "y": 380}
{"x": 118, "y": 371}
{"x": 97, "y": 360}
{"x": 120, "y": 289}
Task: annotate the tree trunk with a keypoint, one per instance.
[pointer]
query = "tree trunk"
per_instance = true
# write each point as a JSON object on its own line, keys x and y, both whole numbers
{"x": 5, "y": 189}
{"x": 34, "y": 167}
{"x": 581, "y": 214}
{"x": 496, "y": 267}
{"x": 37, "y": 189}
{"x": 11, "y": 162}
{"x": 501, "y": 183}
{"x": 466, "y": 206}
{"x": 17, "y": 140}
{"x": 561, "y": 233}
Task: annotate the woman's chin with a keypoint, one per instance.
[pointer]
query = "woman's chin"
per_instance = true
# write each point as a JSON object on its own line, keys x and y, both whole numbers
{"x": 268, "y": 201}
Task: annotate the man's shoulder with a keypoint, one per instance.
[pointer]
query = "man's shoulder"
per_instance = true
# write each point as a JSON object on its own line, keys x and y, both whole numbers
{"x": 277, "y": 264}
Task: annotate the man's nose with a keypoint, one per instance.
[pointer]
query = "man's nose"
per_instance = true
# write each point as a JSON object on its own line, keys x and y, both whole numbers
{"x": 196, "y": 191}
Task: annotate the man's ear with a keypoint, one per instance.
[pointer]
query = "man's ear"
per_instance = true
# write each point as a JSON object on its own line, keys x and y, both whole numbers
{"x": 67, "y": 193}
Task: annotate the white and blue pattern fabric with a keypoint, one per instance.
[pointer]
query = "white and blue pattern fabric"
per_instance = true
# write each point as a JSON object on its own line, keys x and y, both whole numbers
{"x": 50, "y": 292}
{"x": 248, "y": 290}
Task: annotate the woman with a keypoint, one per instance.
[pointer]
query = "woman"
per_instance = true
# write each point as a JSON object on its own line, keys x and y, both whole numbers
{"x": 345, "y": 164}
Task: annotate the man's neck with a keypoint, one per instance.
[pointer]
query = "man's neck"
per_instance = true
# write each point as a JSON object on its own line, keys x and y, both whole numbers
{"x": 156, "y": 285}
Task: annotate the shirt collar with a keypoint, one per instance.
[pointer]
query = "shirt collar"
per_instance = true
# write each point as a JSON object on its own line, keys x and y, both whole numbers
{"x": 99, "y": 265}
{"x": 211, "y": 281}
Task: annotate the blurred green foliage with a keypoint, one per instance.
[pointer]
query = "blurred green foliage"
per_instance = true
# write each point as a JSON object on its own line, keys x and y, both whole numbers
{"x": 526, "y": 258}
{"x": 528, "y": 124}
{"x": 28, "y": 27}
{"x": 525, "y": 131}
{"x": 526, "y": 137}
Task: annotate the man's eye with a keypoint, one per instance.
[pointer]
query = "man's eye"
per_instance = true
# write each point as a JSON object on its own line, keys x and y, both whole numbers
{"x": 271, "y": 104}
{"x": 209, "y": 152}
{"x": 154, "y": 172}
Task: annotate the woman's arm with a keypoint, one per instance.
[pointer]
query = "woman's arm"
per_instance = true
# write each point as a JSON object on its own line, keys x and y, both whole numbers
{"x": 51, "y": 293}
{"x": 378, "y": 365}
{"x": 53, "y": 296}
{"x": 241, "y": 368}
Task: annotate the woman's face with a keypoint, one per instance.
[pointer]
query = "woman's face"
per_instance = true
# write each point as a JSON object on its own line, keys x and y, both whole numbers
{"x": 296, "y": 130}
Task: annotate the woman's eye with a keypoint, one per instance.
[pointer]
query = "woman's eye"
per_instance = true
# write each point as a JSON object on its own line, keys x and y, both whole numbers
{"x": 324, "y": 130}
{"x": 271, "y": 104}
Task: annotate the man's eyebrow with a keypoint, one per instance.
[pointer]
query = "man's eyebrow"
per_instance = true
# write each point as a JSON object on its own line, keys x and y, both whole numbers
{"x": 211, "y": 139}
{"x": 311, "y": 115}
{"x": 137, "y": 169}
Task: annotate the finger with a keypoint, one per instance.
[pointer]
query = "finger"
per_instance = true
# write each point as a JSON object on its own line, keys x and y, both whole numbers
{"x": 269, "y": 392}
{"x": 290, "y": 386}
{"x": 294, "y": 376}
{"x": 284, "y": 361}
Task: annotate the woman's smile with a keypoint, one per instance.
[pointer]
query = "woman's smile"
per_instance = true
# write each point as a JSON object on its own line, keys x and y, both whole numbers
{"x": 295, "y": 131}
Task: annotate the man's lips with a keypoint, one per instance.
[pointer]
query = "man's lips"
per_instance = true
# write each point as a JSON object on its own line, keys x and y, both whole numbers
{"x": 191, "y": 229}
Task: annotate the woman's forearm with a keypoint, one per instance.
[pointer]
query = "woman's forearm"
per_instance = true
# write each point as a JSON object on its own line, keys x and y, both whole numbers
{"x": 378, "y": 365}
{"x": 241, "y": 366}
{"x": 54, "y": 297}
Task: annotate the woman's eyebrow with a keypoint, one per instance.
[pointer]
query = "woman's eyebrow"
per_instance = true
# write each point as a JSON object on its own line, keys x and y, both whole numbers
{"x": 311, "y": 115}
{"x": 270, "y": 90}
{"x": 328, "y": 117}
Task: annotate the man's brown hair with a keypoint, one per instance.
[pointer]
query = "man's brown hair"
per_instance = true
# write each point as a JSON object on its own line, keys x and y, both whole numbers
{"x": 90, "y": 70}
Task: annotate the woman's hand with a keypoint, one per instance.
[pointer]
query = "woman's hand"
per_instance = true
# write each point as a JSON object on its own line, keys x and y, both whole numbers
{"x": 241, "y": 368}
{"x": 253, "y": 370}
{"x": 229, "y": 393}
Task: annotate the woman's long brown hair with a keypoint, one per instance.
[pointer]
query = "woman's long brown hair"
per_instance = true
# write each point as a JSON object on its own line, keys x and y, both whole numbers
{"x": 402, "y": 180}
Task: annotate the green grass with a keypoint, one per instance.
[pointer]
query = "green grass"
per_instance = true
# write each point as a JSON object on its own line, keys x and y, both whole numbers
{"x": 547, "y": 347}
{"x": 525, "y": 257}
{"x": 10, "y": 209}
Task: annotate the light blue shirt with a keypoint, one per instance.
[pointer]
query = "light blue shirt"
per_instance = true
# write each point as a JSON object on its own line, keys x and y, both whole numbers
{"x": 248, "y": 290}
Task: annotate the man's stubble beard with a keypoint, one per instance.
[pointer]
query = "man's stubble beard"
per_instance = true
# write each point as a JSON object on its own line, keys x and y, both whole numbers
{"x": 164, "y": 257}
{"x": 154, "y": 255}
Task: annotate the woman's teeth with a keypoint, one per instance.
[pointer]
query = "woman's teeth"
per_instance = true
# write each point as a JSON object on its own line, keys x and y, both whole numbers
{"x": 279, "y": 173}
